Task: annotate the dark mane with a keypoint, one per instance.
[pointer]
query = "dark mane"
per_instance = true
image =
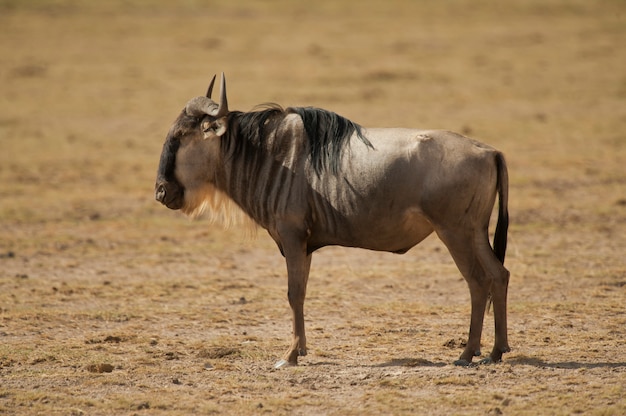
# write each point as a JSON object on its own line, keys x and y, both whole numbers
{"x": 327, "y": 132}
{"x": 253, "y": 126}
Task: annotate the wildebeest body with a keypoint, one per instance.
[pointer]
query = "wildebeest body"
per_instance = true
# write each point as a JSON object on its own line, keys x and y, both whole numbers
{"x": 312, "y": 178}
{"x": 376, "y": 204}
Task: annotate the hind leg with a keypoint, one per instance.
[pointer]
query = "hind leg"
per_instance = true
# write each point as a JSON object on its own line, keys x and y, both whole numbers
{"x": 484, "y": 275}
{"x": 463, "y": 251}
{"x": 499, "y": 291}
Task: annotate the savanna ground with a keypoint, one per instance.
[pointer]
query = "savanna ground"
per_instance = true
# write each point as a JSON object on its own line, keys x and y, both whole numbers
{"x": 112, "y": 304}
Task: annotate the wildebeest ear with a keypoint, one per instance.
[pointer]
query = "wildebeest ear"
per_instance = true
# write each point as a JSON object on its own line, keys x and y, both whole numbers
{"x": 216, "y": 127}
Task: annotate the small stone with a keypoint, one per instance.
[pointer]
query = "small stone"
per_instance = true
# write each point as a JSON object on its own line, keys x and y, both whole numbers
{"x": 100, "y": 368}
{"x": 143, "y": 405}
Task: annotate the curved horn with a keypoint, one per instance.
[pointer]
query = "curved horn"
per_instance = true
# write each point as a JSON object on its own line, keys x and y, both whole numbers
{"x": 210, "y": 90}
{"x": 204, "y": 105}
{"x": 222, "y": 110}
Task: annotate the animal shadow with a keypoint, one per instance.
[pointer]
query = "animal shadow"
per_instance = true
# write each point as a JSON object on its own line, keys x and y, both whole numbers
{"x": 410, "y": 362}
{"x": 572, "y": 365}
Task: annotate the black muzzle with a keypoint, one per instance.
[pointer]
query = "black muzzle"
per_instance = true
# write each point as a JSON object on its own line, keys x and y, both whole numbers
{"x": 170, "y": 194}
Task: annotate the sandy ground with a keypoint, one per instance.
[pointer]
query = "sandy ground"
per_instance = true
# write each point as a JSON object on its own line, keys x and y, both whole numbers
{"x": 111, "y": 304}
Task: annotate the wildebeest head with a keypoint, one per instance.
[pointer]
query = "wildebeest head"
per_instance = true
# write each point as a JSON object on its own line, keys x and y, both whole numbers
{"x": 184, "y": 168}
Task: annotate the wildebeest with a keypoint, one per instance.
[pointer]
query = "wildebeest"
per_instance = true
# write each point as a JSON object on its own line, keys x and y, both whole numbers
{"x": 312, "y": 178}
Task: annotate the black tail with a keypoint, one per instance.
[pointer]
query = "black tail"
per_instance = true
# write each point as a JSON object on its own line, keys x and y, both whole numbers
{"x": 502, "y": 226}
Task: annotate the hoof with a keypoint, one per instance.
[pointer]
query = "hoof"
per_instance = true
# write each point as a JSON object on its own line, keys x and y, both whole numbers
{"x": 283, "y": 364}
{"x": 490, "y": 360}
{"x": 462, "y": 363}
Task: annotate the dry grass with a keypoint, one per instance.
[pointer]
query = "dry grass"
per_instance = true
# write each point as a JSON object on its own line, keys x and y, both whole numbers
{"x": 110, "y": 304}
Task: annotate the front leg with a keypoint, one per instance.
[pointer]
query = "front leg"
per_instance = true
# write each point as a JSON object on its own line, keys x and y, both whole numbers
{"x": 298, "y": 266}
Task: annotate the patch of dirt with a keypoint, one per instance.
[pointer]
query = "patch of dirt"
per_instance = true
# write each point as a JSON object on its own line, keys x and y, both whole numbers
{"x": 111, "y": 304}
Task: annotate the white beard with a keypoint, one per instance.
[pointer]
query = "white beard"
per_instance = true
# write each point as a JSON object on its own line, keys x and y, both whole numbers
{"x": 218, "y": 207}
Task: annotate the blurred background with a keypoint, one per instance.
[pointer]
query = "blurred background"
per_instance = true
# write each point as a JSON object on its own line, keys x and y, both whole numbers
{"x": 89, "y": 89}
